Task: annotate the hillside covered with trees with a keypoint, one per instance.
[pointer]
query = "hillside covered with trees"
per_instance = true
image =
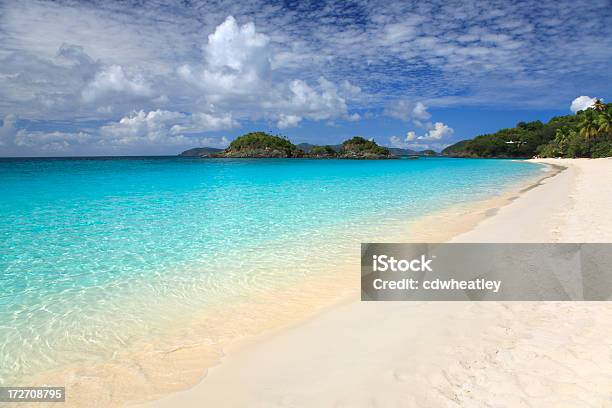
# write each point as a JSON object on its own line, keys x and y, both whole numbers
{"x": 360, "y": 148}
{"x": 588, "y": 133}
{"x": 261, "y": 144}
{"x": 264, "y": 145}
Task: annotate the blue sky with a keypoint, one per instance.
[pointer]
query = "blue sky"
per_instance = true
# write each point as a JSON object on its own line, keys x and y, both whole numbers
{"x": 153, "y": 77}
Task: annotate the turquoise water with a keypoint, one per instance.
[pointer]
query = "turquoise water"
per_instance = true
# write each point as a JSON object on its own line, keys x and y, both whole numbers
{"x": 96, "y": 253}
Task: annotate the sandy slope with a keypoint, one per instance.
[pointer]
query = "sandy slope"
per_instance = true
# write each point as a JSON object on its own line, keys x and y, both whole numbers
{"x": 574, "y": 206}
{"x": 445, "y": 354}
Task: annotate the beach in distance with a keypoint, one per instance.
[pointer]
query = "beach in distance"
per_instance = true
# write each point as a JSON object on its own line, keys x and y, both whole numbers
{"x": 449, "y": 354}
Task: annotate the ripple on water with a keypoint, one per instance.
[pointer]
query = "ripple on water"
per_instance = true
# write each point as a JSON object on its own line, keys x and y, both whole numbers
{"x": 97, "y": 256}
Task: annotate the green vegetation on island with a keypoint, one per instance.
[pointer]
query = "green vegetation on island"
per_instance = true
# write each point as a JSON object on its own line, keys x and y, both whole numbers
{"x": 264, "y": 145}
{"x": 360, "y": 148}
{"x": 307, "y": 147}
{"x": 323, "y": 152}
{"x": 588, "y": 133}
{"x": 396, "y": 151}
{"x": 261, "y": 144}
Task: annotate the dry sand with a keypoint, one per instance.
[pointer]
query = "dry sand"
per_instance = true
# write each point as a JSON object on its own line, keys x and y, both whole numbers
{"x": 409, "y": 354}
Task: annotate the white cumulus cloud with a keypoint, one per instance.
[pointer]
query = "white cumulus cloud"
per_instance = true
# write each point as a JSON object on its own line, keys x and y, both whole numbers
{"x": 238, "y": 48}
{"x": 408, "y": 111}
{"x": 439, "y": 131}
{"x": 322, "y": 102}
{"x": 582, "y": 103}
{"x": 237, "y": 75}
{"x": 164, "y": 127}
{"x": 237, "y": 61}
{"x": 287, "y": 121}
{"x": 431, "y": 139}
{"x": 113, "y": 79}
{"x": 203, "y": 122}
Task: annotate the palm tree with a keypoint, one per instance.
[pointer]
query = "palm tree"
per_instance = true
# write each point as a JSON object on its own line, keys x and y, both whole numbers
{"x": 562, "y": 139}
{"x": 589, "y": 128}
{"x": 598, "y": 105}
{"x": 604, "y": 121}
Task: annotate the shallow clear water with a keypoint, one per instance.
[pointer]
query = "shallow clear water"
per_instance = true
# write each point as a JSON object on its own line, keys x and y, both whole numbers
{"x": 97, "y": 253}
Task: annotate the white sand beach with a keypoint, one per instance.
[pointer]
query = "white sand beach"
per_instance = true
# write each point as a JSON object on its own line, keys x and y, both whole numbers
{"x": 468, "y": 354}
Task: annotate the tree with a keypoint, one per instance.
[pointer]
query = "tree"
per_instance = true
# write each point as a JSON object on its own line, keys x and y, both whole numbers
{"x": 562, "y": 139}
{"x": 598, "y": 105}
{"x": 604, "y": 121}
{"x": 326, "y": 151}
{"x": 589, "y": 128}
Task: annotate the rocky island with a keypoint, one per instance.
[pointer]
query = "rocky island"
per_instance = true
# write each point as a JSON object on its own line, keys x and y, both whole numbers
{"x": 263, "y": 145}
{"x": 360, "y": 148}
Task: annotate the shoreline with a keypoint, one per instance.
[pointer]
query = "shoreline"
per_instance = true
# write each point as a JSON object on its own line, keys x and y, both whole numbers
{"x": 272, "y": 348}
{"x": 467, "y": 216}
{"x": 181, "y": 356}
{"x": 180, "y": 360}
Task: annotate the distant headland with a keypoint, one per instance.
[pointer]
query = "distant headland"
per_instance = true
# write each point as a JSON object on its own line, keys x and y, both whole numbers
{"x": 264, "y": 145}
{"x": 588, "y": 134}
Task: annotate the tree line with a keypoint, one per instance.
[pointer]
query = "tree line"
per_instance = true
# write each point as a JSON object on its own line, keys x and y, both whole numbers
{"x": 588, "y": 133}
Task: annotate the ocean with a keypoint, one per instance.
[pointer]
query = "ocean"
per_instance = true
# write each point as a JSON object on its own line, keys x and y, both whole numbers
{"x": 97, "y": 254}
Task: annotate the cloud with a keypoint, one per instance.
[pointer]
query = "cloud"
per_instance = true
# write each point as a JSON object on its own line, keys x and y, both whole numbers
{"x": 142, "y": 126}
{"x": 298, "y": 98}
{"x": 287, "y": 121}
{"x": 113, "y": 79}
{"x": 125, "y": 34}
{"x": 408, "y": 111}
{"x": 237, "y": 75}
{"x": 397, "y": 142}
{"x": 21, "y": 142}
{"x": 164, "y": 128}
{"x": 237, "y": 48}
{"x": 439, "y": 131}
{"x": 56, "y": 141}
{"x": 203, "y": 122}
{"x": 154, "y": 132}
{"x": 419, "y": 112}
{"x": 430, "y": 140}
{"x": 237, "y": 61}
{"x": 99, "y": 61}
{"x": 410, "y": 136}
{"x": 535, "y": 53}
{"x": 76, "y": 55}
{"x": 582, "y": 103}
{"x": 7, "y": 131}
{"x": 70, "y": 86}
